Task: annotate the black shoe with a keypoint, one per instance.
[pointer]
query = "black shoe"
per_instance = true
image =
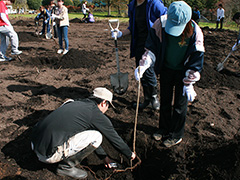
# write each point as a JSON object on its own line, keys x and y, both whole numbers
{"x": 159, "y": 135}
{"x": 67, "y": 166}
{"x": 155, "y": 102}
{"x": 172, "y": 142}
{"x": 141, "y": 105}
{"x": 72, "y": 172}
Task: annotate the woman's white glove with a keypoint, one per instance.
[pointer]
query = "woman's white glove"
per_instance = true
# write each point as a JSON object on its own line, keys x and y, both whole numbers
{"x": 191, "y": 77}
{"x": 188, "y": 90}
{"x": 116, "y": 33}
{"x": 144, "y": 64}
{"x": 235, "y": 46}
{"x": 139, "y": 72}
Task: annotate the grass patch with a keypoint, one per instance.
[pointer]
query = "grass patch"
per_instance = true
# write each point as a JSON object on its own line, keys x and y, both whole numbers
{"x": 102, "y": 15}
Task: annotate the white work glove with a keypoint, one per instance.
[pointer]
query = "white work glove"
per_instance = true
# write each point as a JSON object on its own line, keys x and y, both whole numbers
{"x": 144, "y": 64}
{"x": 53, "y": 16}
{"x": 189, "y": 91}
{"x": 116, "y": 33}
{"x": 45, "y": 21}
{"x": 191, "y": 77}
{"x": 235, "y": 46}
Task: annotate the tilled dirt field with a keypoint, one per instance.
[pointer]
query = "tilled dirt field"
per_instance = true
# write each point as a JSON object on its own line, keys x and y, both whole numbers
{"x": 30, "y": 89}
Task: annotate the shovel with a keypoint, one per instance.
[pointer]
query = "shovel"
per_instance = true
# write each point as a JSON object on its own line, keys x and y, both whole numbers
{"x": 49, "y": 34}
{"x": 220, "y": 65}
{"x": 119, "y": 80}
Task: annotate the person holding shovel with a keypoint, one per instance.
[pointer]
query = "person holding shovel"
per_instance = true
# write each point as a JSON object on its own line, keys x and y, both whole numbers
{"x": 142, "y": 14}
{"x": 7, "y": 32}
{"x": 52, "y": 10}
{"x": 62, "y": 21}
{"x": 45, "y": 15}
{"x": 220, "y": 16}
{"x": 74, "y": 130}
{"x": 236, "y": 19}
{"x": 175, "y": 47}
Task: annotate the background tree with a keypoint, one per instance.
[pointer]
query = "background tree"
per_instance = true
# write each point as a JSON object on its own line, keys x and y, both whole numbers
{"x": 68, "y": 2}
{"x": 46, "y": 2}
{"x": 76, "y": 3}
{"x": 20, "y": 4}
{"x": 34, "y": 4}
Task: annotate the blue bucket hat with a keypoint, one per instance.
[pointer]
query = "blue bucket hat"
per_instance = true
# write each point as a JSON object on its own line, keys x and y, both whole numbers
{"x": 179, "y": 14}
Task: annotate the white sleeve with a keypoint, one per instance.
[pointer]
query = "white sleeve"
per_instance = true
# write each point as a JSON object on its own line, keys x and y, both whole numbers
{"x": 5, "y": 19}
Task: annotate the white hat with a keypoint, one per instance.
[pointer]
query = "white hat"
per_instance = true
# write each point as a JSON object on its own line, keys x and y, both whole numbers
{"x": 103, "y": 93}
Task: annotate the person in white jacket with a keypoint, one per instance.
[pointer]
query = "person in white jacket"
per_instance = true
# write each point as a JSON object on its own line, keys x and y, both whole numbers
{"x": 220, "y": 16}
{"x": 84, "y": 10}
{"x": 7, "y": 32}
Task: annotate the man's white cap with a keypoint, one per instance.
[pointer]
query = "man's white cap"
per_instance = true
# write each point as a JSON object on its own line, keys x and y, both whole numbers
{"x": 103, "y": 93}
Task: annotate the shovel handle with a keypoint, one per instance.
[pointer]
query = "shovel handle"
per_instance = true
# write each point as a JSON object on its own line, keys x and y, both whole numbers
{"x": 227, "y": 57}
{"x": 110, "y": 21}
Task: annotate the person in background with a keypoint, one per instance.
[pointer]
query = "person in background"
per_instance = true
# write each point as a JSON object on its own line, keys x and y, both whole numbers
{"x": 62, "y": 22}
{"x": 175, "y": 47}
{"x": 236, "y": 19}
{"x": 90, "y": 18}
{"x": 84, "y": 10}
{"x": 220, "y": 16}
{"x": 45, "y": 15}
{"x": 142, "y": 14}
{"x": 7, "y": 32}
{"x": 52, "y": 10}
{"x": 196, "y": 15}
{"x": 75, "y": 130}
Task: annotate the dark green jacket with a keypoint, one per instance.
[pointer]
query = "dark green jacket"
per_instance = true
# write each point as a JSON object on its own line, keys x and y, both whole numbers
{"x": 70, "y": 119}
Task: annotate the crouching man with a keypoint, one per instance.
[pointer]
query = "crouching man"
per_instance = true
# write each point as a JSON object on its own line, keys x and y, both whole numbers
{"x": 74, "y": 130}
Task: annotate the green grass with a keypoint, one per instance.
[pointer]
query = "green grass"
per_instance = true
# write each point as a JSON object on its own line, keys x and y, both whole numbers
{"x": 100, "y": 15}
{"x": 228, "y": 25}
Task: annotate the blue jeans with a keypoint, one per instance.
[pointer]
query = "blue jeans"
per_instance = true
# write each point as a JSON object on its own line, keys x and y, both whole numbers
{"x": 48, "y": 27}
{"x": 63, "y": 33}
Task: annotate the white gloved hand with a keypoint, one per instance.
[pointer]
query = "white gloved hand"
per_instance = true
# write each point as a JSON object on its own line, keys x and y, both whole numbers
{"x": 144, "y": 64}
{"x": 139, "y": 75}
{"x": 53, "y": 16}
{"x": 116, "y": 33}
{"x": 234, "y": 48}
{"x": 191, "y": 77}
{"x": 190, "y": 93}
{"x": 46, "y": 21}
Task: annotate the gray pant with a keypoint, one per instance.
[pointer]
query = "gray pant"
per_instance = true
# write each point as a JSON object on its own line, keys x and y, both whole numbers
{"x": 7, "y": 33}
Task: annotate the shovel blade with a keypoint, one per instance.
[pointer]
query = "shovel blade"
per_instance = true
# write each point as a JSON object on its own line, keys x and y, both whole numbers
{"x": 220, "y": 67}
{"x": 119, "y": 82}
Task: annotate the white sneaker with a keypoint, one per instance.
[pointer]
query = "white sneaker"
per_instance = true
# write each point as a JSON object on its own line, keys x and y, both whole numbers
{"x": 40, "y": 34}
{"x": 2, "y": 59}
{"x": 17, "y": 52}
{"x": 60, "y": 51}
{"x": 65, "y": 51}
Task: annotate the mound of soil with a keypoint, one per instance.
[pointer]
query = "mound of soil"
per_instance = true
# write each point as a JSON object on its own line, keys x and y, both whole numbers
{"x": 43, "y": 80}
{"x": 22, "y": 23}
{"x": 75, "y": 20}
{"x": 80, "y": 59}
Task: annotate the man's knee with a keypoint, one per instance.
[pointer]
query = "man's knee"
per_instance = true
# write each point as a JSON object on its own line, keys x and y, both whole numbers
{"x": 97, "y": 139}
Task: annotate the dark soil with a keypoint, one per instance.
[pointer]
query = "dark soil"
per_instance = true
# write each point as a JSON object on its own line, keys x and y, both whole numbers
{"x": 43, "y": 80}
